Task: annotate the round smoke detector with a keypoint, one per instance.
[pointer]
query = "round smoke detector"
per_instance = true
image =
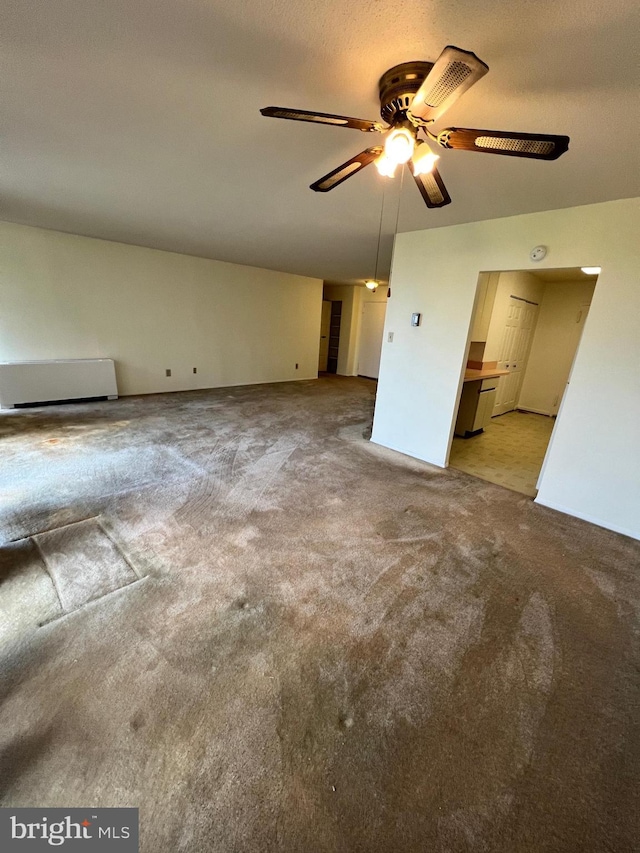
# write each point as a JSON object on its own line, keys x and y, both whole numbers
{"x": 538, "y": 253}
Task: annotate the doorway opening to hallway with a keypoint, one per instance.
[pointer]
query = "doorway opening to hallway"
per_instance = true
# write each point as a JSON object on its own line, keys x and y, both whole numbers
{"x": 524, "y": 336}
{"x": 351, "y": 329}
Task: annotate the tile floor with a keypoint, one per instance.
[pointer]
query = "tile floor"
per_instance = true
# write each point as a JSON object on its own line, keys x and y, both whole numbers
{"x": 509, "y": 452}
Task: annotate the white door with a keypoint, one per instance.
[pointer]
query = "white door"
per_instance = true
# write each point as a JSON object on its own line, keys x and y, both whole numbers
{"x": 371, "y": 330}
{"x": 325, "y": 323}
{"x": 514, "y": 352}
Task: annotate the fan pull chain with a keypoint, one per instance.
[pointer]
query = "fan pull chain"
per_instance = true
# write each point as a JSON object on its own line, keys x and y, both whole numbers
{"x": 375, "y": 275}
{"x": 395, "y": 230}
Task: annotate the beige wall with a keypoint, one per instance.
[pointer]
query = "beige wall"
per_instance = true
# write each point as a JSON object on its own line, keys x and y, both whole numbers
{"x": 560, "y": 324}
{"x": 64, "y": 296}
{"x": 592, "y": 468}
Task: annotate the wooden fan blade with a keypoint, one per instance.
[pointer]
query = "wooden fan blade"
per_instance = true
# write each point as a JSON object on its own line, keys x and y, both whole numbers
{"x": 337, "y": 176}
{"x": 538, "y": 146}
{"x": 322, "y": 118}
{"x": 431, "y": 187}
{"x": 453, "y": 72}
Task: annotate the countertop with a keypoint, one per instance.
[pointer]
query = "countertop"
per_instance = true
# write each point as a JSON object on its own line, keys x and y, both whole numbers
{"x": 471, "y": 375}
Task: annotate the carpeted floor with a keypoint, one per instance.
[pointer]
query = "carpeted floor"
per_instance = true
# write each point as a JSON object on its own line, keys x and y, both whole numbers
{"x": 231, "y": 610}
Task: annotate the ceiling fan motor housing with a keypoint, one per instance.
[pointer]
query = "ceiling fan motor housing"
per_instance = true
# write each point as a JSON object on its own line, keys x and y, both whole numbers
{"x": 397, "y": 87}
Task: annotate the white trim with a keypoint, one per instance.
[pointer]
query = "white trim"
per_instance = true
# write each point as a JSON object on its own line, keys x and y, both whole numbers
{"x": 406, "y": 453}
{"x": 584, "y": 517}
{"x": 533, "y": 411}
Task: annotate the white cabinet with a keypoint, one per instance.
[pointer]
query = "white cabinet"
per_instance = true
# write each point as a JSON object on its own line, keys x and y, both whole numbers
{"x": 486, "y": 402}
{"x": 476, "y": 405}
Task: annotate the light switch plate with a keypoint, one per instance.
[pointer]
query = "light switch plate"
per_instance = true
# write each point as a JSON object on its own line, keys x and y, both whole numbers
{"x": 415, "y": 319}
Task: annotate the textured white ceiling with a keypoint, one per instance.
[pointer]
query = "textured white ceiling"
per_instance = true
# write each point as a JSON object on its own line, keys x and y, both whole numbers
{"x": 137, "y": 120}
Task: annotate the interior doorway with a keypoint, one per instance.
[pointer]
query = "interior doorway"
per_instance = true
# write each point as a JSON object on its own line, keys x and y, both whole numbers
{"x": 524, "y": 336}
{"x": 335, "y": 321}
{"x": 351, "y": 330}
{"x": 325, "y": 324}
{"x": 330, "y": 327}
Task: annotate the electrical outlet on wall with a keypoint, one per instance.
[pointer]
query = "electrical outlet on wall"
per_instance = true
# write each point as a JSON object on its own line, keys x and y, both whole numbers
{"x": 296, "y": 365}
{"x": 167, "y": 372}
{"x": 195, "y": 369}
{"x": 390, "y": 338}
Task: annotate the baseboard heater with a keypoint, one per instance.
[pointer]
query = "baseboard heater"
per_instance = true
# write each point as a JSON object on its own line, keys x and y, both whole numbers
{"x": 31, "y": 383}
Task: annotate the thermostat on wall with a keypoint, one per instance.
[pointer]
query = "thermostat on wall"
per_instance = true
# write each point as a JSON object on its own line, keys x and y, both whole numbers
{"x": 415, "y": 319}
{"x": 538, "y": 253}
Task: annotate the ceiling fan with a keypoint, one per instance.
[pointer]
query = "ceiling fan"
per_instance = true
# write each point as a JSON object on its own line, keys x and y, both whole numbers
{"x": 413, "y": 95}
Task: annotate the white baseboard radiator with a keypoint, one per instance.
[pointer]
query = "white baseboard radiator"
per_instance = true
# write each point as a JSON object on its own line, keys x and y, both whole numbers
{"x": 24, "y": 383}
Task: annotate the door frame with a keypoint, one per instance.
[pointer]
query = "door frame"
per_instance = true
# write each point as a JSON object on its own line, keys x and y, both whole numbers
{"x": 466, "y": 357}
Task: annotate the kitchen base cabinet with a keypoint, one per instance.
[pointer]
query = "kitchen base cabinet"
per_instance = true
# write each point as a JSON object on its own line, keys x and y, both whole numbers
{"x": 476, "y": 405}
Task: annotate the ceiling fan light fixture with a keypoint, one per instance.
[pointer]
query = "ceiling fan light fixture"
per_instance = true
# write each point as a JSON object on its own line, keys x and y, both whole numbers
{"x": 591, "y": 270}
{"x": 413, "y": 95}
{"x": 399, "y": 145}
{"x": 372, "y": 284}
{"x": 385, "y": 166}
{"x": 423, "y": 159}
